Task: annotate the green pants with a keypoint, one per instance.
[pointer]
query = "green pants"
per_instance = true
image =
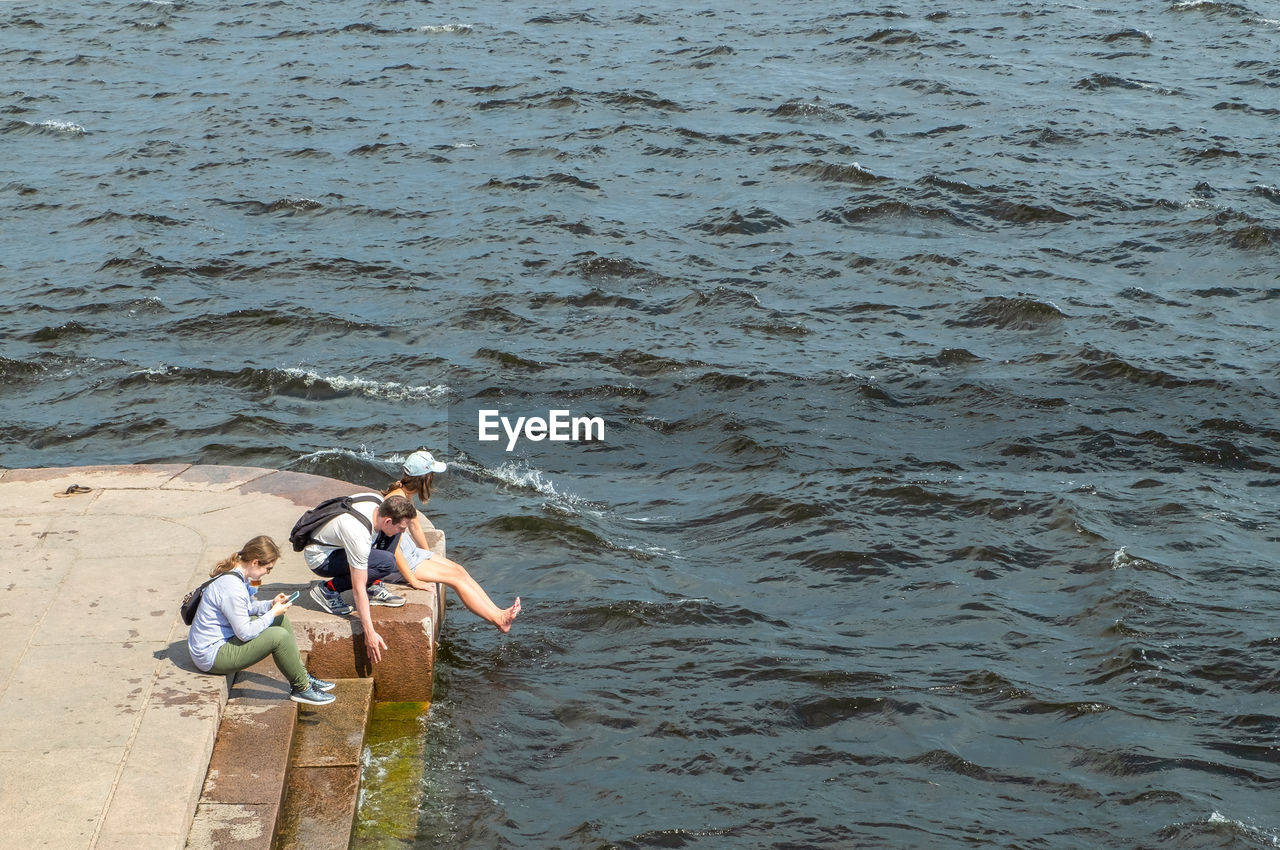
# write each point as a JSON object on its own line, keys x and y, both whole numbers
{"x": 277, "y": 641}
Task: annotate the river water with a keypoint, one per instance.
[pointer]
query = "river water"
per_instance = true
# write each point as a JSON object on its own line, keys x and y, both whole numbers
{"x": 934, "y": 347}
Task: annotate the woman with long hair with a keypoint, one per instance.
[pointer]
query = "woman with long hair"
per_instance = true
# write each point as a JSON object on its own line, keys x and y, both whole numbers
{"x": 426, "y": 567}
{"x": 232, "y": 631}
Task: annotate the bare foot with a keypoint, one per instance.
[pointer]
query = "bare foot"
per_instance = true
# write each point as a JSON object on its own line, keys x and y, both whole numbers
{"x": 508, "y": 617}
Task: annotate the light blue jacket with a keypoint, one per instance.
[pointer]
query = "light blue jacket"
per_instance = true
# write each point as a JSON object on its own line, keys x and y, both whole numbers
{"x": 226, "y": 611}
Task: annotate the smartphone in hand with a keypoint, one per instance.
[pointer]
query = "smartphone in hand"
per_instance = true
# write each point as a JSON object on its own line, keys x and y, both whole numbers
{"x": 293, "y": 596}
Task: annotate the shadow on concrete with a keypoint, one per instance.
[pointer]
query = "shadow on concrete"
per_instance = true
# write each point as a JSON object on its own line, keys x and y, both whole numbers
{"x": 250, "y": 684}
{"x": 180, "y": 655}
{"x": 304, "y": 600}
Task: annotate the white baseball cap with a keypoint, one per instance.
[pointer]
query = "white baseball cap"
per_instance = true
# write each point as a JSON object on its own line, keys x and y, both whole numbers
{"x": 421, "y": 462}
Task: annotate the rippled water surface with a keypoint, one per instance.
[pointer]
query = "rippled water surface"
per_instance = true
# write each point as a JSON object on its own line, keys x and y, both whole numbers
{"x": 935, "y": 345}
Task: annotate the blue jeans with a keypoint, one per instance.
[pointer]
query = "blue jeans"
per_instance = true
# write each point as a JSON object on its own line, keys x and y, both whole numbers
{"x": 382, "y": 563}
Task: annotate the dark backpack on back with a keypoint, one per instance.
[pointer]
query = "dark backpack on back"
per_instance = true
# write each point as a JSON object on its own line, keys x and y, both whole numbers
{"x": 314, "y": 520}
{"x": 191, "y": 601}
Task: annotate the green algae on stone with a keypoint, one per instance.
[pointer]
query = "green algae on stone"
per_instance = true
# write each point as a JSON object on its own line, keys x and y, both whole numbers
{"x": 392, "y": 778}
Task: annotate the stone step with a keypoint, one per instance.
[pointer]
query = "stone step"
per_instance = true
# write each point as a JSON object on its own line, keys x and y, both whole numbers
{"x": 239, "y": 806}
{"x": 283, "y": 775}
{"x": 323, "y": 784}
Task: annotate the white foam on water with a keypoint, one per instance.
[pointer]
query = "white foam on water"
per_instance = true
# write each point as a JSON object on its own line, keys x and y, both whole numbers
{"x": 389, "y": 390}
{"x": 520, "y": 474}
{"x": 66, "y": 128}
{"x": 154, "y": 371}
{"x": 321, "y": 454}
{"x": 1261, "y": 836}
{"x": 459, "y": 29}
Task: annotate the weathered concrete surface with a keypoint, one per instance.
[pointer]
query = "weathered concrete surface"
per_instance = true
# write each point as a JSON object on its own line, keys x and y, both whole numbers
{"x": 107, "y": 727}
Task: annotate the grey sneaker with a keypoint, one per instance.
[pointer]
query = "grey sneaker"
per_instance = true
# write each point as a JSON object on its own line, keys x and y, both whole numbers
{"x": 311, "y": 696}
{"x": 329, "y": 600}
{"x": 320, "y": 684}
{"x": 379, "y": 595}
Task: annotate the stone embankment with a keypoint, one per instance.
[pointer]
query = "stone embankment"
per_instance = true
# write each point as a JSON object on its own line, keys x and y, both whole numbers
{"x": 111, "y": 738}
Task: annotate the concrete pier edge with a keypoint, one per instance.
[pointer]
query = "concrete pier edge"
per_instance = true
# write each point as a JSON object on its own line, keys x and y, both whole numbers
{"x": 108, "y": 726}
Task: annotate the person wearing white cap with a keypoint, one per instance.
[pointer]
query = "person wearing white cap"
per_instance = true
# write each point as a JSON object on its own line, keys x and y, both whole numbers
{"x": 426, "y": 567}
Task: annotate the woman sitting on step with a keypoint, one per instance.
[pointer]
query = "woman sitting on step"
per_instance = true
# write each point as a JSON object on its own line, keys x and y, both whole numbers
{"x": 232, "y": 630}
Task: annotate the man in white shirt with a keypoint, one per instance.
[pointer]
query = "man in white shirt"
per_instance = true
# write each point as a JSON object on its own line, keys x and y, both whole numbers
{"x": 356, "y": 553}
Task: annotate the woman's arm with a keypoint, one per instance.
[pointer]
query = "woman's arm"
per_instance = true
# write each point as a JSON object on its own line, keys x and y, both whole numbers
{"x": 416, "y": 533}
{"x": 407, "y": 572}
{"x": 234, "y": 607}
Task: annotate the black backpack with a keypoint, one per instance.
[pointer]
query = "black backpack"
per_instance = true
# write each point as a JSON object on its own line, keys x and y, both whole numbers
{"x": 314, "y": 520}
{"x": 191, "y": 601}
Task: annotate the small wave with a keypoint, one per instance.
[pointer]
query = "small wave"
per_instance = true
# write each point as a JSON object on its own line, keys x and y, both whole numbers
{"x": 781, "y": 328}
{"x": 822, "y": 712}
{"x": 595, "y": 267}
{"x": 891, "y": 210}
{"x": 509, "y": 360}
{"x": 525, "y": 183}
{"x": 341, "y": 464}
{"x": 541, "y": 528}
{"x": 725, "y": 297}
{"x": 520, "y": 475}
{"x": 748, "y": 451}
{"x": 18, "y": 371}
{"x": 485, "y": 317}
{"x": 294, "y": 382}
{"x": 52, "y": 127}
{"x": 1270, "y": 193}
{"x": 143, "y": 218}
{"x": 938, "y": 131}
{"x": 848, "y": 565}
{"x": 1246, "y": 108}
{"x": 1102, "y": 82}
{"x": 1127, "y": 35}
{"x": 1104, "y": 366}
{"x": 823, "y": 111}
{"x": 632, "y": 361}
{"x": 627, "y": 615}
{"x": 1121, "y": 558}
{"x": 1046, "y": 136}
{"x": 1234, "y": 10}
{"x": 1137, "y": 293}
{"x": 338, "y": 385}
{"x": 830, "y": 172}
{"x": 267, "y": 320}
{"x": 282, "y": 206}
{"x": 563, "y": 18}
{"x": 378, "y": 148}
{"x": 1019, "y": 313}
{"x": 727, "y": 382}
{"x": 65, "y": 331}
{"x": 733, "y": 223}
{"x": 951, "y": 357}
{"x": 893, "y": 35}
{"x": 1023, "y": 213}
{"x": 525, "y": 477}
{"x": 767, "y": 511}
{"x": 639, "y": 99}
{"x": 1218, "y": 830}
{"x": 1254, "y": 237}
